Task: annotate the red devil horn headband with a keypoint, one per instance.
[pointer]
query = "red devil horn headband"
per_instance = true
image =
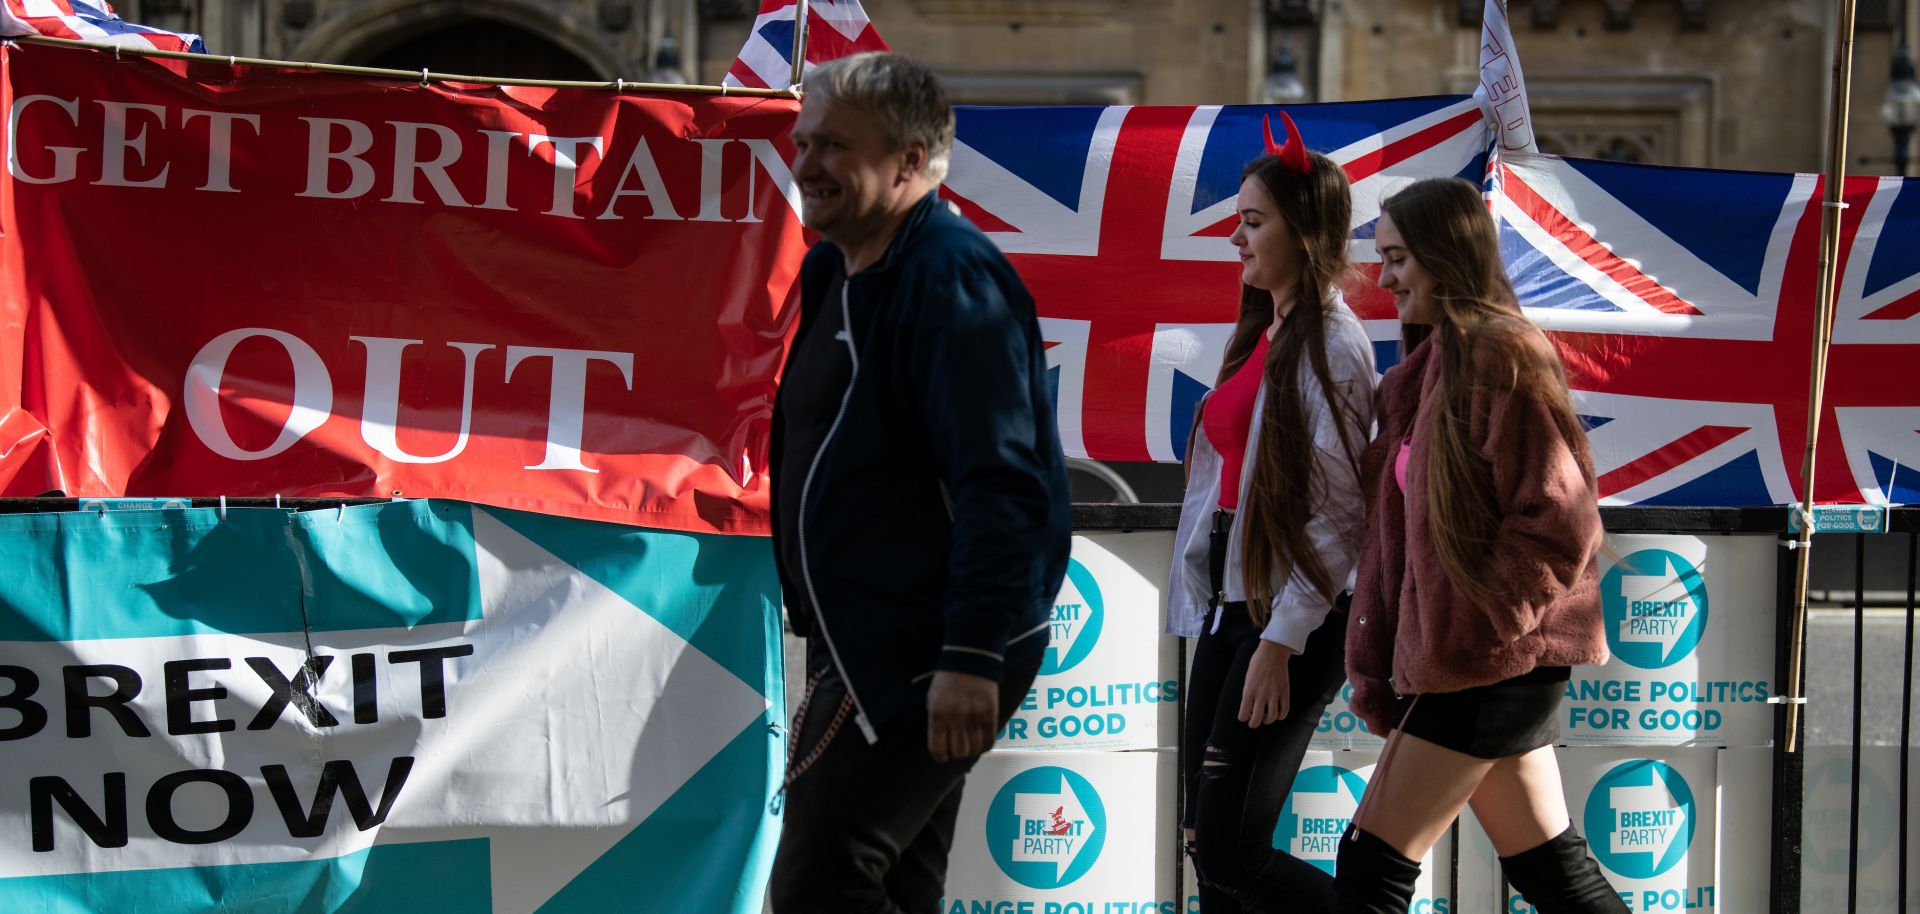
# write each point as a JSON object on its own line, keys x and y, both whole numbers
{"x": 1293, "y": 155}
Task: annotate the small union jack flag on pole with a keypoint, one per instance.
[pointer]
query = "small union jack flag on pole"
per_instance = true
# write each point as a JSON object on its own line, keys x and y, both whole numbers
{"x": 80, "y": 20}
{"x": 834, "y": 29}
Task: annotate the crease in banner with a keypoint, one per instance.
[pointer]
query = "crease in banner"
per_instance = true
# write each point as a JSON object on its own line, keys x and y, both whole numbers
{"x": 563, "y": 302}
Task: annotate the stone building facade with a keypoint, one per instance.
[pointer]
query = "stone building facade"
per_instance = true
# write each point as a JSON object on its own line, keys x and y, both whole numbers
{"x": 1688, "y": 82}
{"x": 539, "y": 39}
{"x": 1065, "y": 51}
{"x": 1682, "y": 82}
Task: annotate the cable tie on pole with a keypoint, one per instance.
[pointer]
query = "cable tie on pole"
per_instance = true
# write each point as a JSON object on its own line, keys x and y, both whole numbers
{"x": 423, "y": 77}
{"x": 1787, "y": 700}
{"x": 1836, "y": 204}
{"x": 223, "y": 507}
{"x": 619, "y": 84}
{"x": 233, "y": 60}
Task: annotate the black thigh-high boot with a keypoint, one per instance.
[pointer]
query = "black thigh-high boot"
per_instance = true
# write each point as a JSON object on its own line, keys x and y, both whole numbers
{"x": 1370, "y": 877}
{"x": 1561, "y": 877}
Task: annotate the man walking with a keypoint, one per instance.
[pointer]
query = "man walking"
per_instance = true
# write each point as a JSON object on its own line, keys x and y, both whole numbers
{"x": 921, "y": 515}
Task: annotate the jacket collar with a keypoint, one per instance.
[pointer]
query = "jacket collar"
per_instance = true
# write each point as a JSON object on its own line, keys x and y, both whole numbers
{"x": 917, "y": 217}
{"x": 1400, "y": 390}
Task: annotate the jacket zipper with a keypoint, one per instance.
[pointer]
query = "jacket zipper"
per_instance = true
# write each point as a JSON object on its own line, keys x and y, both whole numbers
{"x": 947, "y": 497}
{"x": 806, "y": 573}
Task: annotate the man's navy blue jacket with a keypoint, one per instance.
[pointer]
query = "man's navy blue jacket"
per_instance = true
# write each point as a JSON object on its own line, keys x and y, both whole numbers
{"x": 936, "y": 520}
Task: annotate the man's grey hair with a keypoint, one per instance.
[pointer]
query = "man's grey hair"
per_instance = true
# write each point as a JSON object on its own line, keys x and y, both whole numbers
{"x": 904, "y": 97}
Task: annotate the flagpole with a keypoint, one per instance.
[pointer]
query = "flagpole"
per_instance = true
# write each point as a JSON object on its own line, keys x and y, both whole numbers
{"x": 1830, "y": 208}
{"x": 799, "y": 42}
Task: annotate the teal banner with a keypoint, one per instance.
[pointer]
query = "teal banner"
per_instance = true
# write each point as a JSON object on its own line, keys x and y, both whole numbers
{"x": 411, "y": 706}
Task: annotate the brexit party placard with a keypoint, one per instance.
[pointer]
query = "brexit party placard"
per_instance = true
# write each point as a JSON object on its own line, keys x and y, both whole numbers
{"x": 1874, "y": 846}
{"x": 1341, "y": 729}
{"x": 1690, "y": 627}
{"x": 1649, "y": 818}
{"x": 1316, "y": 813}
{"x": 1744, "y": 849}
{"x": 403, "y": 706}
{"x": 1109, "y": 679}
{"x": 1065, "y": 833}
{"x": 1689, "y": 624}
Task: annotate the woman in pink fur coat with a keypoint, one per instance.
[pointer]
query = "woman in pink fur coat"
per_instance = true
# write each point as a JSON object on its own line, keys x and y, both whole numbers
{"x": 1476, "y": 588}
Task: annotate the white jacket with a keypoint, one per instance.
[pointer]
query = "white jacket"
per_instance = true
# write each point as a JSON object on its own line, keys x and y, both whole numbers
{"x": 1339, "y": 514}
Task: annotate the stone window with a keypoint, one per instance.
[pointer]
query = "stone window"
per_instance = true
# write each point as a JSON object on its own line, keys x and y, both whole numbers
{"x": 1657, "y": 120}
{"x": 1646, "y": 143}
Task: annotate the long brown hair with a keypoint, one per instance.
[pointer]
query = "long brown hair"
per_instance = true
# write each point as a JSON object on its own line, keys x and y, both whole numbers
{"x": 1319, "y": 210}
{"x": 1448, "y": 231}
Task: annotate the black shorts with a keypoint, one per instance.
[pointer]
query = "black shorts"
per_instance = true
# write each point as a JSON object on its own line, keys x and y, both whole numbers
{"x": 1506, "y": 718}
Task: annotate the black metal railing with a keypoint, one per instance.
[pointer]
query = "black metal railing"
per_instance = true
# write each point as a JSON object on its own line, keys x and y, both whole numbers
{"x": 1788, "y": 788}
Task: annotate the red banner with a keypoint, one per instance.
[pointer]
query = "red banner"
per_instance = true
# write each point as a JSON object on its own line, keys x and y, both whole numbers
{"x": 247, "y": 281}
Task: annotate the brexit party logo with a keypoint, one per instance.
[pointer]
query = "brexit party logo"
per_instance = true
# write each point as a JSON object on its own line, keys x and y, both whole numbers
{"x": 1655, "y": 603}
{"x": 1828, "y": 818}
{"x": 1046, "y": 827}
{"x": 1640, "y": 818}
{"x": 1078, "y": 613}
{"x": 1316, "y": 814}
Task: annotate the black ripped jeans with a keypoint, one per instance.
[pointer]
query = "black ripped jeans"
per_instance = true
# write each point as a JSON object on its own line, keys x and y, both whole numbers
{"x": 1233, "y": 806}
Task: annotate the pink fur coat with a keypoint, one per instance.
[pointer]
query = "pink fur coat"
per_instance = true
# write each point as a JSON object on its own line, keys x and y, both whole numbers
{"x": 1411, "y": 630}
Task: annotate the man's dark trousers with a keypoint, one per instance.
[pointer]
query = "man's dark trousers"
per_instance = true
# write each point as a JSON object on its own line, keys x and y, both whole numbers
{"x": 868, "y": 827}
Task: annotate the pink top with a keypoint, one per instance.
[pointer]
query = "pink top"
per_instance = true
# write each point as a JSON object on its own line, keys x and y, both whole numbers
{"x": 1228, "y": 417}
{"x": 1400, "y": 464}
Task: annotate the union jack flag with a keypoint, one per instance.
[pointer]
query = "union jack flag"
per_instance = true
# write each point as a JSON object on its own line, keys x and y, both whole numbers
{"x": 835, "y": 28}
{"x": 1117, "y": 218}
{"x": 1682, "y": 300}
{"x": 1683, "y": 303}
{"x": 81, "y": 20}
{"x": 1871, "y": 401}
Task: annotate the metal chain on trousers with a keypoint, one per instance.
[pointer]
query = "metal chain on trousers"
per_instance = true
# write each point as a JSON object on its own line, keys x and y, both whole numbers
{"x": 797, "y": 768}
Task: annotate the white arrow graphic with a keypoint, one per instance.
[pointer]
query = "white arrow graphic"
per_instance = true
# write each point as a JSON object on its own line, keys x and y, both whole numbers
{"x": 1066, "y": 810}
{"x": 1647, "y": 819}
{"x": 1338, "y": 804}
{"x": 602, "y": 713}
{"x": 1066, "y": 632}
{"x": 573, "y": 717}
{"x": 1659, "y": 606}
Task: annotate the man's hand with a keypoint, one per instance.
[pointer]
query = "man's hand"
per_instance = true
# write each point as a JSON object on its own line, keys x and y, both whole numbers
{"x": 1265, "y": 700}
{"x": 962, "y": 711}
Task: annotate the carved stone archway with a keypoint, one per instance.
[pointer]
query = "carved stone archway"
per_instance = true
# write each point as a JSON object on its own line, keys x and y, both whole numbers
{"x": 365, "y": 35}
